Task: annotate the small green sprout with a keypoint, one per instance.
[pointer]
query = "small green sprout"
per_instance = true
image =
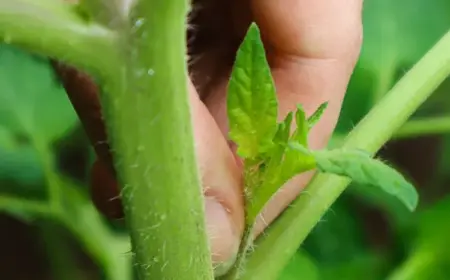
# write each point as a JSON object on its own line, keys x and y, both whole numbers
{"x": 273, "y": 155}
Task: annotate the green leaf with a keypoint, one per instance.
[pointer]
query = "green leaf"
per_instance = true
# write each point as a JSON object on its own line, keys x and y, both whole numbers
{"x": 284, "y": 129}
{"x": 363, "y": 169}
{"x": 279, "y": 164}
{"x": 274, "y": 158}
{"x": 32, "y": 102}
{"x": 295, "y": 161}
{"x": 315, "y": 117}
{"x": 251, "y": 102}
{"x": 280, "y": 140}
{"x": 301, "y": 132}
{"x": 263, "y": 180}
{"x": 252, "y": 109}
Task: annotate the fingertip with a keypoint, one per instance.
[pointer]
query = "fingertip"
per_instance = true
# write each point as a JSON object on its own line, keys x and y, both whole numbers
{"x": 105, "y": 191}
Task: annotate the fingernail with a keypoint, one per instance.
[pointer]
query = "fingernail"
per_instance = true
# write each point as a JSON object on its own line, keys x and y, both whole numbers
{"x": 224, "y": 240}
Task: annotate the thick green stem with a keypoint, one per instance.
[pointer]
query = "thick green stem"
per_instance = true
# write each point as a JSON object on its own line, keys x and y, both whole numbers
{"x": 289, "y": 231}
{"x": 55, "y": 29}
{"x": 141, "y": 62}
{"x": 149, "y": 123}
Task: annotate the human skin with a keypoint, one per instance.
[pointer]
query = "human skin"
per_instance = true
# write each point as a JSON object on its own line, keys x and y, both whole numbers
{"x": 312, "y": 48}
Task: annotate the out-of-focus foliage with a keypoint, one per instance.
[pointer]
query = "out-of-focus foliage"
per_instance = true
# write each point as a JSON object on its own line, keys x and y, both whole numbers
{"x": 365, "y": 235}
{"x": 35, "y": 117}
{"x": 301, "y": 267}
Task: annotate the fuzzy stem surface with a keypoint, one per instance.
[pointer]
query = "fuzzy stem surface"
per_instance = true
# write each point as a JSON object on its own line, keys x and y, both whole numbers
{"x": 150, "y": 128}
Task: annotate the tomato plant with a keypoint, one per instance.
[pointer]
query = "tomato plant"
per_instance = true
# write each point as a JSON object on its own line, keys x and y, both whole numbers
{"x": 38, "y": 126}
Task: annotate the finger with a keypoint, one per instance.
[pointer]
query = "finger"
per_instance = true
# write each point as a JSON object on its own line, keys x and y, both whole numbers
{"x": 312, "y": 47}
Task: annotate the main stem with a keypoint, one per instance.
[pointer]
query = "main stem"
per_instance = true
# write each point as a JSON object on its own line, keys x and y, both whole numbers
{"x": 149, "y": 122}
{"x": 140, "y": 61}
{"x": 289, "y": 231}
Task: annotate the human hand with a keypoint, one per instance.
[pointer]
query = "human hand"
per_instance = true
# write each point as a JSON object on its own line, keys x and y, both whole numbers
{"x": 312, "y": 47}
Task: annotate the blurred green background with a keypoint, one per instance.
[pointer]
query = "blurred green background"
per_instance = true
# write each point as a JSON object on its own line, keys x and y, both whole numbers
{"x": 365, "y": 235}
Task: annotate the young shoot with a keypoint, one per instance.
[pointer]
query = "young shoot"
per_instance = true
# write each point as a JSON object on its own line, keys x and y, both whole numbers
{"x": 273, "y": 154}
